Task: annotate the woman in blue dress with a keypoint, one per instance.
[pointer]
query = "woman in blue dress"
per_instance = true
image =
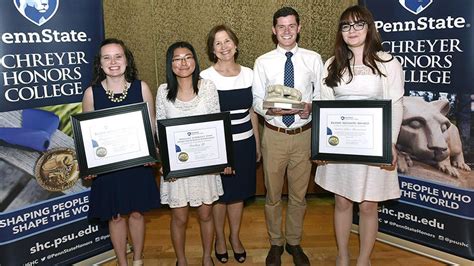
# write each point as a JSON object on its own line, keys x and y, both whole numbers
{"x": 234, "y": 85}
{"x": 132, "y": 191}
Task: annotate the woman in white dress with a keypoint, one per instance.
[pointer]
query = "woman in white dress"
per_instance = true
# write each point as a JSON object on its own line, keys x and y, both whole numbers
{"x": 185, "y": 95}
{"x": 360, "y": 70}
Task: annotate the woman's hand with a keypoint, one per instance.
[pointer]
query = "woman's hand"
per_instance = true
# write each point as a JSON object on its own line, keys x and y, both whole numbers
{"x": 258, "y": 154}
{"x": 157, "y": 156}
{"x": 228, "y": 171}
{"x": 89, "y": 177}
{"x": 320, "y": 162}
{"x": 393, "y": 166}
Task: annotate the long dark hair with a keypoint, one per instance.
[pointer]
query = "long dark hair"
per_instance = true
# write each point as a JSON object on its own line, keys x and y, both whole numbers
{"x": 171, "y": 76}
{"x": 131, "y": 72}
{"x": 342, "y": 53}
{"x": 211, "y": 37}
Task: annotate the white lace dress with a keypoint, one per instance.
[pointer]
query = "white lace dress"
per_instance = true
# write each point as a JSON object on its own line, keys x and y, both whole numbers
{"x": 359, "y": 182}
{"x": 193, "y": 190}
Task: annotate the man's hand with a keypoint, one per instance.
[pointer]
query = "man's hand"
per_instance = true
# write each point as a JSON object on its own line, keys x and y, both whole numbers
{"x": 279, "y": 111}
{"x": 304, "y": 114}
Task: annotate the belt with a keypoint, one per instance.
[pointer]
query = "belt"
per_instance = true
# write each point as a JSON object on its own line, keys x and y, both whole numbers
{"x": 292, "y": 131}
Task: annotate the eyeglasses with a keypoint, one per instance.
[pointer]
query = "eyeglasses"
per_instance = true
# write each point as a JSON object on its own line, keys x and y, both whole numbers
{"x": 358, "y": 25}
{"x": 185, "y": 59}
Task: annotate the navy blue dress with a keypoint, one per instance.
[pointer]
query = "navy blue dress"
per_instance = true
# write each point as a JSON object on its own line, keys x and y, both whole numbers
{"x": 235, "y": 96}
{"x": 122, "y": 191}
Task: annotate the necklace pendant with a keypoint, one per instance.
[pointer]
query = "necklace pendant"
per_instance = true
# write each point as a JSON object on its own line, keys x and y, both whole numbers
{"x": 120, "y": 98}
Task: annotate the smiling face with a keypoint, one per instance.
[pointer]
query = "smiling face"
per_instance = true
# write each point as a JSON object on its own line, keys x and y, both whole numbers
{"x": 286, "y": 31}
{"x": 183, "y": 63}
{"x": 113, "y": 60}
{"x": 355, "y": 37}
{"x": 224, "y": 47}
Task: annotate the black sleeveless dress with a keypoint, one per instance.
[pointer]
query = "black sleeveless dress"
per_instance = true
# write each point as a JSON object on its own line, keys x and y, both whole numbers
{"x": 122, "y": 191}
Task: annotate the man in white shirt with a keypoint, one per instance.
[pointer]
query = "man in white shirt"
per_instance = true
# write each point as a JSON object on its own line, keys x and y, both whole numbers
{"x": 286, "y": 141}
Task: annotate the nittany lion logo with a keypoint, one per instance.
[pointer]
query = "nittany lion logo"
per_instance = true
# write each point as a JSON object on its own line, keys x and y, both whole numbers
{"x": 37, "y": 11}
{"x": 415, "y": 6}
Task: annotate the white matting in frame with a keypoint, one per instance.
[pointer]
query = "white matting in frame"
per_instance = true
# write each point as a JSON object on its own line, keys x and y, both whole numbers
{"x": 195, "y": 145}
{"x": 114, "y": 138}
{"x": 204, "y": 144}
{"x": 355, "y": 131}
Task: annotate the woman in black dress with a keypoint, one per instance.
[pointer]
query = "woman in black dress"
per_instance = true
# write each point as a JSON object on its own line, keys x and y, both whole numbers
{"x": 132, "y": 191}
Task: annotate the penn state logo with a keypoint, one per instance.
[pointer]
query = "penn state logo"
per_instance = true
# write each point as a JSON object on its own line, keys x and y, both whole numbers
{"x": 415, "y": 6}
{"x": 37, "y": 11}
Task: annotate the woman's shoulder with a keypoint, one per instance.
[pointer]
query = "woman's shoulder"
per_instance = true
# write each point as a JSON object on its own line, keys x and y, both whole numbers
{"x": 207, "y": 87}
{"x": 162, "y": 90}
{"x": 163, "y": 86}
{"x": 207, "y": 73}
{"x": 206, "y": 84}
{"x": 329, "y": 61}
{"x": 89, "y": 91}
{"x": 140, "y": 83}
{"x": 93, "y": 88}
{"x": 384, "y": 55}
{"x": 246, "y": 70}
{"x": 388, "y": 60}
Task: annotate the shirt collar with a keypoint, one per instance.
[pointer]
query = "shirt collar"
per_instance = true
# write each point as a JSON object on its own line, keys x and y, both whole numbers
{"x": 283, "y": 51}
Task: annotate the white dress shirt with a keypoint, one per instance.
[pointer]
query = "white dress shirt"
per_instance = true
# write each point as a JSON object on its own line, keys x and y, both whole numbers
{"x": 269, "y": 69}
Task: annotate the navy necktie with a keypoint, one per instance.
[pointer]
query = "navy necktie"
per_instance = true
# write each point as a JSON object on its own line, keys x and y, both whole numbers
{"x": 289, "y": 81}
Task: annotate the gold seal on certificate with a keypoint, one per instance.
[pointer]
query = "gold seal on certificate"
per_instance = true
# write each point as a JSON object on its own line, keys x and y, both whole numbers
{"x": 57, "y": 169}
{"x": 195, "y": 145}
{"x": 101, "y": 152}
{"x": 183, "y": 156}
{"x": 279, "y": 96}
{"x": 333, "y": 140}
{"x": 113, "y": 139}
{"x": 355, "y": 131}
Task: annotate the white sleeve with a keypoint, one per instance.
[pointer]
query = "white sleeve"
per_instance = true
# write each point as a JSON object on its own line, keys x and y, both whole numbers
{"x": 211, "y": 96}
{"x": 327, "y": 93}
{"x": 160, "y": 102}
{"x": 258, "y": 89}
{"x": 317, "y": 72}
{"x": 395, "y": 90}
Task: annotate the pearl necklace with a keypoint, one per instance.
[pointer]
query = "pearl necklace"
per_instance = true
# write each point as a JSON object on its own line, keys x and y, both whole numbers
{"x": 111, "y": 94}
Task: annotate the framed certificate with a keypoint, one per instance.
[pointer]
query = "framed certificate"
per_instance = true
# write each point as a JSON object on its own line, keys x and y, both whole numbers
{"x": 195, "y": 145}
{"x": 112, "y": 139}
{"x": 354, "y": 131}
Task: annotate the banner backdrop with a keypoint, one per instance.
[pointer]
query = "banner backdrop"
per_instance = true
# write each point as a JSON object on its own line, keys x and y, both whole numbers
{"x": 433, "y": 40}
{"x": 46, "y": 56}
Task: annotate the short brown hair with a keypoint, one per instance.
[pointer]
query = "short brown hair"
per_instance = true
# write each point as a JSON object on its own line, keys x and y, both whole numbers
{"x": 212, "y": 36}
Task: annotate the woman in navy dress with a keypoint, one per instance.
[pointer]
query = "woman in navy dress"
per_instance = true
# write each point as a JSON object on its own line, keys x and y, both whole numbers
{"x": 234, "y": 85}
{"x": 132, "y": 191}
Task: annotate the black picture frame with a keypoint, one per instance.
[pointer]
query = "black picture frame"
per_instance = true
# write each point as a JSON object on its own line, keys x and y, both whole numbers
{"x": 133, "y": 118}
{"x": 356, "y": 110}
{"x": 169, "y": 129}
